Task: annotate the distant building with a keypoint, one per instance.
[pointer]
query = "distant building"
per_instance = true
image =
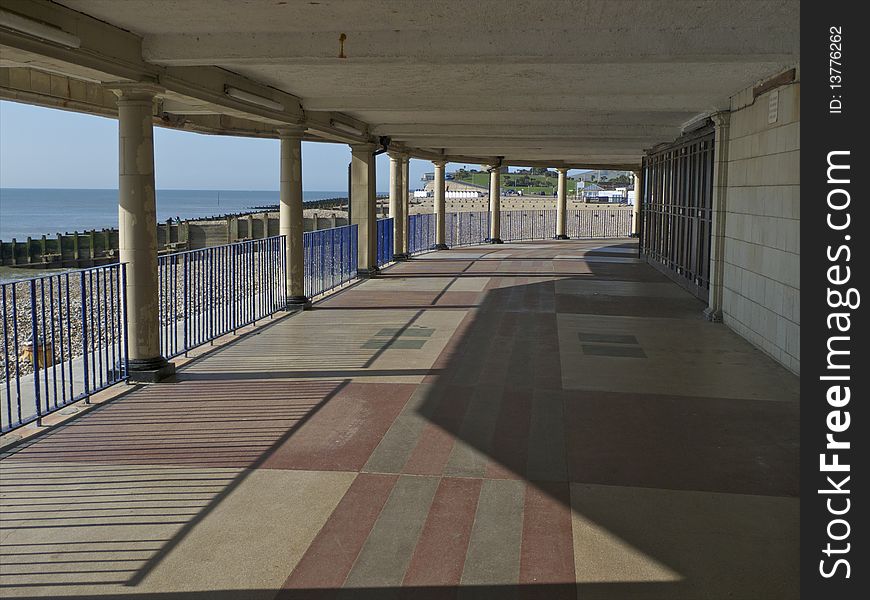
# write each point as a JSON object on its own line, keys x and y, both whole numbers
{"x": 594, "y": 193}
{"x": 431, "y": 176}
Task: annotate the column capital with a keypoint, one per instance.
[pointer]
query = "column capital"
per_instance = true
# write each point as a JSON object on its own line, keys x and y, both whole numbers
{"x": 440, "y": 163}
{"x": 721, "y": 119}
{"x": 396, "y": 155}
{"x": 562, "y": 170}
{"x": 134, "y": 90}
{"x": 363, "y": 147}
{"x": 295, "y": 131}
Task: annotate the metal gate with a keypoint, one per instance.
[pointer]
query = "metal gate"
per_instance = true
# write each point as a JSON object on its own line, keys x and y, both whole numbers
{"x": 677, "y": 210}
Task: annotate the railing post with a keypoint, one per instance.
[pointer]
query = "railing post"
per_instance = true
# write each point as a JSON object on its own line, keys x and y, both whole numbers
{"x": 85, "y": 357}
{"x": 34, "y": 356}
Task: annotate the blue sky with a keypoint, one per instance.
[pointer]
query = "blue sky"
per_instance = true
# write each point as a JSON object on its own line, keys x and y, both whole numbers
{"x": 50, "y": 148}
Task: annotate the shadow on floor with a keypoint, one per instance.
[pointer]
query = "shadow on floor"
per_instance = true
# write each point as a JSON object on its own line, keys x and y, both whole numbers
{"x": 674, "y": 494}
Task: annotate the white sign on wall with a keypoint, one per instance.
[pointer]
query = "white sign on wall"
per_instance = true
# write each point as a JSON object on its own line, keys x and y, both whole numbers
{"x": 773, "y": 107}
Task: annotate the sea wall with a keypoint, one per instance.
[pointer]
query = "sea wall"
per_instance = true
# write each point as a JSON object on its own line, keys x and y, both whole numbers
{"x": 99, "y": 247}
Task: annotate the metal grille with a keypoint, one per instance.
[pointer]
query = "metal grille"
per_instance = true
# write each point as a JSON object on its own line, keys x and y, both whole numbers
{"x": 64, "y": 338}
{"x": 385, "y": 241}
{"x": 421, "y": 233}
{"x": 527, "y": 224}
{"x": 466, "y": 228}
{"x": 677, "y": 210}
{"x": 597, "y": 223}
{"x": 330, "y": 258}
{"x": 208, "y": 293}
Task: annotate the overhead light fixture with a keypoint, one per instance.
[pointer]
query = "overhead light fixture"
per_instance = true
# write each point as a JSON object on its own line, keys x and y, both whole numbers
{"x": 346, "y": 128}
{"x": 49, "y": 33}
{"x": 250, "y": 98}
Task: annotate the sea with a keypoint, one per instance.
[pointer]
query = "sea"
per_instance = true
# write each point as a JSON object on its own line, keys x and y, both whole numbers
{"x": 38, "y": 212}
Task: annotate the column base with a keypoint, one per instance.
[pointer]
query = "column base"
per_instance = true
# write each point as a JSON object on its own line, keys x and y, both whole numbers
{"x": 150, "y": 370}
{"x": 561, "y": 236}
{"x": 441, "y": 247}
{"x": 713, "y": 315}
{"x": 298, "y": 303}
{"x": 493, "y": 241}
{"x": 401, "y": 256}
{"x": 367, "y": 273}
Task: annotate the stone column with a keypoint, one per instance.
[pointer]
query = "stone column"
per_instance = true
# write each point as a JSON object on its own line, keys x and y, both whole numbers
{"x": 440, "y": 218}
{"x": 717, "y": 226}
{"x": 290, "y": 216}
{"x": 406, "y": 204}
{"x": 635, "y": 208}
{"x": 137, "y": 232}
{"x": 363, "y": 210}
{"x": 562, "y": 205}
{"x": 397, "y": 207}
{"x": 494, "y": 205}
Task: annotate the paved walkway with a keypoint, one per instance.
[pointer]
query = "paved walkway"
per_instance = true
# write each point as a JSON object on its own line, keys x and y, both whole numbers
{"x": 534, "y": 420}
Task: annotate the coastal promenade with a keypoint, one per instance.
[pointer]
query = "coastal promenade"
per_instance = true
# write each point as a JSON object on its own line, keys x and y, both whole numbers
{"x": 532, "y": 420}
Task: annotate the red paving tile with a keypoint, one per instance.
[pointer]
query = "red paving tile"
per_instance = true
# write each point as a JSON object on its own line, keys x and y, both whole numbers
{"x": 547, "y": 554}
{"x": 437, "y": 438}
{"x": 331, "y": 555}
{"x": 344, "y": 432}
{"x": 511, "y": 436}
{"x": 439, "y": 556}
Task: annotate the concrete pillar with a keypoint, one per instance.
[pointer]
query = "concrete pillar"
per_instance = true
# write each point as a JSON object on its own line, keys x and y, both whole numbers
{"x": 440, "y": 219}
{"x": 363, "y": 210}
{"x": 290, "y": 214}
{"x": 137, "y": 232}
{"x": 397, "y": 206}
{"x": 717, "y": 225}
{"x": 562, "y": 205}
{"x": 494, "y": 206}
{"x": 406, "y": 202}
{"x": 635, "y": 207}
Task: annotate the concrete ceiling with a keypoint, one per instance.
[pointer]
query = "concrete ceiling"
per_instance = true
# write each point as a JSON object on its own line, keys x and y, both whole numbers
{"x": 584, "y": 83}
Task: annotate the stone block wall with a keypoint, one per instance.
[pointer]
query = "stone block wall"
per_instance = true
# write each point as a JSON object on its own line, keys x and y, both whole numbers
{"x": 761, "y": 278}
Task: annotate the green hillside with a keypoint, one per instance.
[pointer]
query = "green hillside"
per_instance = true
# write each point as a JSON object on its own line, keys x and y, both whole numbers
{"x": 528, "y": 184}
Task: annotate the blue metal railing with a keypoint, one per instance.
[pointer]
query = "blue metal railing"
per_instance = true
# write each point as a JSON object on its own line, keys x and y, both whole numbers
{"x": 330, "y": 258}
{"x": 385, "y": 241}
{"x": 527, "y": 224}
{"x": 208, "y": 293}
{"x": 421, "y": 233}
{"x": 466, "y": 228}
{"x": 64, "y": 338}
{"x": 586, "y": 223}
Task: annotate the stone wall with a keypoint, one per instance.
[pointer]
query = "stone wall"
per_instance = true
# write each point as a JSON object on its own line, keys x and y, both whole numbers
{"x": 761, "y": 277}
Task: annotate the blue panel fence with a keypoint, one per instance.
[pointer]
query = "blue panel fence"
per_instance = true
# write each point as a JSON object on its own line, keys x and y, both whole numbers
{"x": 421, "y": 233}
{"x": 385, "y": 241}
{"x": 330, "y": 258}
{"x": 211, "y": 292}
{"x": 64, "y": 338}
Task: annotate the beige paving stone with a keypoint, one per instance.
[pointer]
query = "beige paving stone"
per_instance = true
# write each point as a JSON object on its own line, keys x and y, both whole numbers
{"x": 632, "y": 542}
{"x": 683, "y": 357}
{"x": 107, "y": 529}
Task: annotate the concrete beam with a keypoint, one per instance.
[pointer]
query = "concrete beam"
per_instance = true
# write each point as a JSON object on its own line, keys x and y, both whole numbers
{"x": 652, "y": 42}
{"x": 640, "y": 129}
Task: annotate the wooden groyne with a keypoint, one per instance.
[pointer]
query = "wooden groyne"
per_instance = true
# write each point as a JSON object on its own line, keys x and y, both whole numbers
{"x": 100, "y": 246}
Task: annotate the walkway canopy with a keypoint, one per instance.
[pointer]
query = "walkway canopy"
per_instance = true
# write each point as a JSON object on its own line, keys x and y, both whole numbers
{"x": 585, "y": 84}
